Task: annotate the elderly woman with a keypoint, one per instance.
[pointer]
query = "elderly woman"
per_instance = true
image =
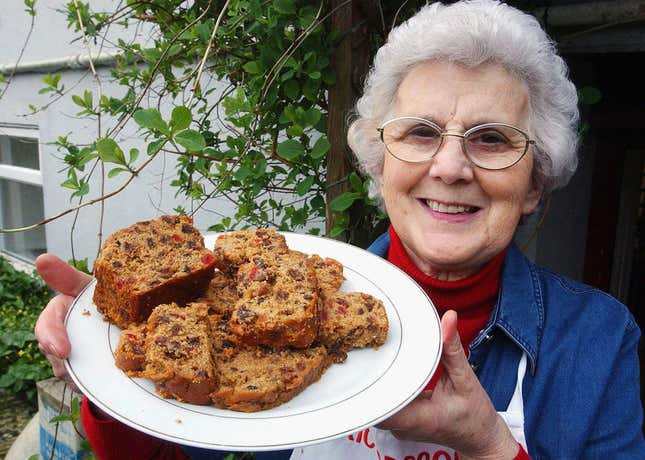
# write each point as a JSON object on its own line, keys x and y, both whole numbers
{"x": 467, "y": 120}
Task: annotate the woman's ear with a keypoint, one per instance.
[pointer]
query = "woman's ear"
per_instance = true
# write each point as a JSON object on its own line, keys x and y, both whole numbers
{"x": 533, "y": 197}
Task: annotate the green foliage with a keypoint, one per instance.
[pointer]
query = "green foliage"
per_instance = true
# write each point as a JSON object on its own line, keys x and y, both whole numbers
{"x": 80, "y": 264}
{"x": 22, "y": 297}
{"x": 73, "y": 416}
{"x": 258, "y": 137}
{"x": 30, "y": 7}
{"x": 52, "y": 84}
{"x": 240, "y": 456}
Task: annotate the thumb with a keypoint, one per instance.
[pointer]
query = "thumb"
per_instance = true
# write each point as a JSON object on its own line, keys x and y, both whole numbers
{"x": 60, "y": 276}
{"x": 453, "y": 356}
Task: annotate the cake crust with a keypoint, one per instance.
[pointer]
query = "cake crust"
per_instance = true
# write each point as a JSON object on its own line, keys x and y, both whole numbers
{"x": 149, "y": 263}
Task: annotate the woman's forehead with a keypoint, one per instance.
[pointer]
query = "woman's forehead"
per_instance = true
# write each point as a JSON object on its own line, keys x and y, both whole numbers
{"x": 444, "y": 91}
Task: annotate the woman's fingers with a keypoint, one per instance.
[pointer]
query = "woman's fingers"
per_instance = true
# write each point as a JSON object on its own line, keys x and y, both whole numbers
{"x": 60, "y": 276}
{"x": 410, "y": 416}
{"x": 453, "y": 358}
{"x": 50, "y": 328}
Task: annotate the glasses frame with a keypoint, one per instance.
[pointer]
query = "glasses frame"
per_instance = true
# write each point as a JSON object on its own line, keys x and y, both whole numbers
{"x": 444, "y": 133}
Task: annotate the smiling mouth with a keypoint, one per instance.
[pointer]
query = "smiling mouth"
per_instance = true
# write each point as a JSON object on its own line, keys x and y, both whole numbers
{"x": 449, "y": 208}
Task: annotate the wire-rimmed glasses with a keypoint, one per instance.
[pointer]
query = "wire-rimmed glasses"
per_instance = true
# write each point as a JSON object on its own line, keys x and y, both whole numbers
{"x": 488, "y": 146}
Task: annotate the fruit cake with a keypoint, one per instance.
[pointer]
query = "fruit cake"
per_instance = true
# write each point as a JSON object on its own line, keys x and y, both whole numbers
{"x": 179, "y": 352}
{"x": 329, "y": 273}
{"x": 149, "y": 263}
{"x": 278, "y": 305}
{"x": 261, "y": 378}
{"x": 221, "y": 294}
{"x": 236, "y": 248}
{"x": 130, "y": 354}
{"x": 223, "y": 341}
{"x": 352, "y": 320}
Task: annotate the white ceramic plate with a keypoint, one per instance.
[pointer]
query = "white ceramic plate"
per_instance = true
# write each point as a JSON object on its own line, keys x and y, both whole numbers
{"x": 367, "y": 388}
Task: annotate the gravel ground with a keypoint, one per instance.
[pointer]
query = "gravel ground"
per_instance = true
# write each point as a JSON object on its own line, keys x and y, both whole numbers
{"x": 14, "y": 416}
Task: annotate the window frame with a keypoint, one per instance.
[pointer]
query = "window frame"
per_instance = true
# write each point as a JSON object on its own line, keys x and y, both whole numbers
{"x": 20, "y": 174}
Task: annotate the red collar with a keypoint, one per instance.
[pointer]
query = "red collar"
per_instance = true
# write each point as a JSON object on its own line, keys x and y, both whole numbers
{"x": 472, "y": 298}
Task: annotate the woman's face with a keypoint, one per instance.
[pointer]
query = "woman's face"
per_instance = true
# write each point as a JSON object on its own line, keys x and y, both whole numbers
{"x": 452, "y": 216}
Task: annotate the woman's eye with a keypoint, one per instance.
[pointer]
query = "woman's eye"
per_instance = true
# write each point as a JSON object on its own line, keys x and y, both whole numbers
{"x": 423, "y": 132}
{"x": 488, "y": 137}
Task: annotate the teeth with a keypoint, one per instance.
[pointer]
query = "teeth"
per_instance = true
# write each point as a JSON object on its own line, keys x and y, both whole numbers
{"x": 447, "y": 208}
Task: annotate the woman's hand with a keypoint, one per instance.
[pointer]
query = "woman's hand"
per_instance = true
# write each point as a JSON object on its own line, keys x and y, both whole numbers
{"x": 50, "y": 327}
{"x": 457, "y": 413}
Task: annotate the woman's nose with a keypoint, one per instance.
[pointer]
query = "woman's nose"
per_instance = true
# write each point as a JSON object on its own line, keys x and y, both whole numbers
{"x": 450, "y": 164}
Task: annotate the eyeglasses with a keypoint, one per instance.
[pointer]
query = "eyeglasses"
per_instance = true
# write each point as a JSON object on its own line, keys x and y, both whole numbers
{"x": 488, "y": 146}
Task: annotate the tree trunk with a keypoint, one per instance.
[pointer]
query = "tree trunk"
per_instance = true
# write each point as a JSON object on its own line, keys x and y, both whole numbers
{"x": 350, "y": 60}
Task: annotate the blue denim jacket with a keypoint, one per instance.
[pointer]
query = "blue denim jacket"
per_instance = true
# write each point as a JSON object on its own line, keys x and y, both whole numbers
{"x": 581, "y": 390}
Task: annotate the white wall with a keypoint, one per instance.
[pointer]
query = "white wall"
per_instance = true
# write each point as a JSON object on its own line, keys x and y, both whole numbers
{"x": 149, "y": 195}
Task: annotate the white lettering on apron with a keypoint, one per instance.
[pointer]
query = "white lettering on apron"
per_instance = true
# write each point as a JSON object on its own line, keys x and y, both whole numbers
{"x": 373, "y": 443}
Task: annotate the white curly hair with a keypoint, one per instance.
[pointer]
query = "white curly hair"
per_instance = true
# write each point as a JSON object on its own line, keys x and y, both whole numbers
{"x": 470, "y": 33}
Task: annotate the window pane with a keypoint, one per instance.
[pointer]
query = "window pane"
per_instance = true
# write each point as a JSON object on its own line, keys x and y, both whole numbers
{"x": 21, "y": 205}
{"x": 19, "y": 151}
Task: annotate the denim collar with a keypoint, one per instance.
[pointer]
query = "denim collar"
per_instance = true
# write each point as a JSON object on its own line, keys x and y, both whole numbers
{"x": 519, "y": 311}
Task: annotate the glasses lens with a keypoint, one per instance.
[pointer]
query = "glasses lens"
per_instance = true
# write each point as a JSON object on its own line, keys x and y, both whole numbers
{"x": 410, "y": 139}
{"x": 495, "y": 146}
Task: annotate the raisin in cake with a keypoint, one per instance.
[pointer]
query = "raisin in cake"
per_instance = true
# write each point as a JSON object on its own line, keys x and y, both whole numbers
{"x": 352, "y": 320}
{"x": 150, "y": 263}
{"x": 260, "y": 379}
{"x": 179, "y": 352}
{"x": 278, "y": 305}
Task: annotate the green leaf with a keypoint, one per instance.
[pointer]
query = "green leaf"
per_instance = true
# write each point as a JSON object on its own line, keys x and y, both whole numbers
{"x": 343, "y": 201}
{"x": 290, "y": 149}
{"x": 304, "y": 186}
{"x": 313, "y": 116}
{"x": 109, "y": 151}
{"x": 80, "y": 264}
{"x": 75, "y": 408}
{"x": 337, "y": 230}
{"x": 151, "y": 119}
{"x": 78, "y": 100}
{"x": 116, "y": 171}
{"x": 310, "y": 89}
{"x": 151, "y": 54}
{"x": 292, "y": 89}
{"x": 134, "y": 154}
{"x": 180, "y": 118}
{"x": 191, "y": 140}
{"x": 253, "y": 67}
{"x": 356, "y": 182}
{"x": 315, "y": 75}
{"x": 295, "y": 131}
{"x": 284, "y": 6}
{"x": 155, "y": 146}
{"x": 321, "y": 147}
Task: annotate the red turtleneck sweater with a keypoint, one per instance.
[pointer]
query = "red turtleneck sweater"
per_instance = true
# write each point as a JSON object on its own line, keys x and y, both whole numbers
{"x": 472, "y": 298}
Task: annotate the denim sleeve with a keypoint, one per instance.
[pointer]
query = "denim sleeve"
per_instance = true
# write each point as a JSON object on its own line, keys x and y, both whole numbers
{"x": 617, "y": 431}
